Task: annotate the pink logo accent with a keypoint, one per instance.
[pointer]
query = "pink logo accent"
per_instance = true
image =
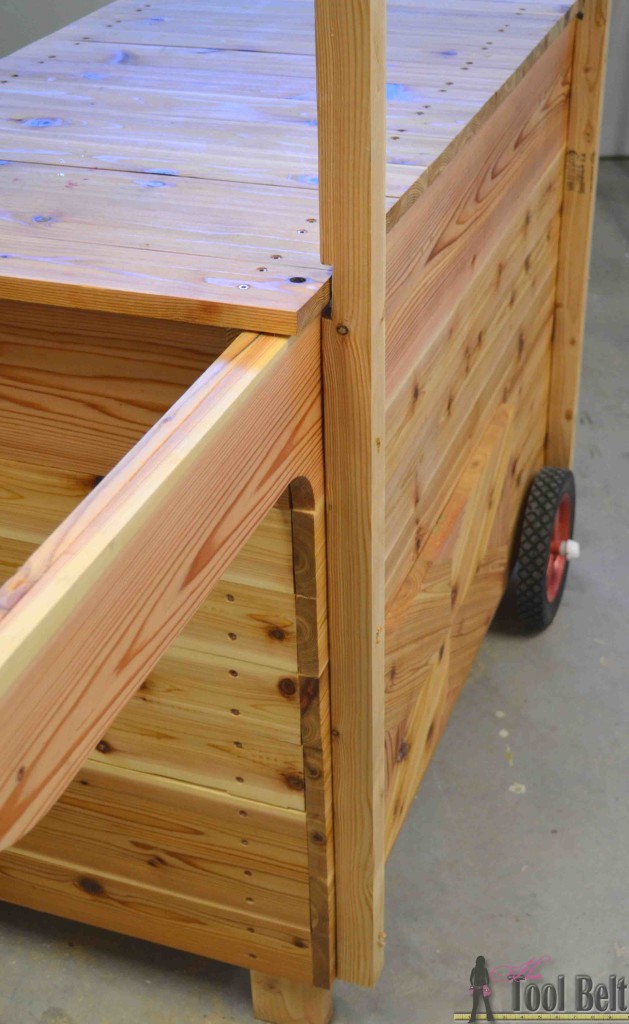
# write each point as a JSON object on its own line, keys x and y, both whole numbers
{"x": 524, "y": 972}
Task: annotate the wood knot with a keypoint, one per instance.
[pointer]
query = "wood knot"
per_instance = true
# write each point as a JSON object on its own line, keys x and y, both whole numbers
{"x": 313, "y": 773}
{"x": 318, "y": 838}
{"x": 277, "y": 633}
{"x": 104, "y": 747}
{"x": 295, "y": 782}
{"x": 300, "y": 944}
{"x": 402, "y": 751}
{"x": 21, "y": 773}
{"x": 91, "y": 887}
{"x": 286, "y": 687}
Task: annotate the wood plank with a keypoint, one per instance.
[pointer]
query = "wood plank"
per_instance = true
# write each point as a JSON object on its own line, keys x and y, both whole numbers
{"x": 215, "y": 687}
{"x": 179, "y": 743}
{"x": 409, "y": 748}
{"x": 423, "y": 489}
{"x": 249, "y": 623}
{"x": 586, "y": 101}
{"x": 471, "y": 206}
{"x": 528, "y": 248}
{"x": 280, "y": 1001}
{"x": 75, "y": 396}
{"x": 222, "y": 435}
{"x": 420, "y": 618}
{"x": 161, "y": 213}
{"x": 176, "y": 287}
{"x": 351, "y": 91}
{"x": 155, "y": 915}
{"x": 34, "y": 501}
{"x": 185, "y": 839}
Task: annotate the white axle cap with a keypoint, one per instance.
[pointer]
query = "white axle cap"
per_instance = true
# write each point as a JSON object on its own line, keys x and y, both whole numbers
{"x": 570, "y": 549}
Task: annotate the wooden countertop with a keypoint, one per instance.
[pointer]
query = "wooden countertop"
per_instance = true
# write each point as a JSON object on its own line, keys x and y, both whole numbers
{"x": 161, "y": 158}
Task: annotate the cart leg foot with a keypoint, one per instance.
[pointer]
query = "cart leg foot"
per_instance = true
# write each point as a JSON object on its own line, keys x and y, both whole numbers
{"x": 280, "y": 1001}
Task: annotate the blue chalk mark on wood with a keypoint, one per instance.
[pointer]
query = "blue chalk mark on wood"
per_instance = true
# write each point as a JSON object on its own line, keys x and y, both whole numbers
{"x": 395, "y": 91}
{"x": 43, "y": 122}
{"x": 120, "y": 57}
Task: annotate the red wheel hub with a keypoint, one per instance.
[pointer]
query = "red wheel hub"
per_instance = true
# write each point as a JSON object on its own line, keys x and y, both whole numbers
{"x": 556, "y": 568}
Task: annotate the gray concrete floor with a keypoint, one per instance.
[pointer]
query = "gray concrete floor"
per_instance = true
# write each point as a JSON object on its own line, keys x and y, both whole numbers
{"x": 479, "y": 868}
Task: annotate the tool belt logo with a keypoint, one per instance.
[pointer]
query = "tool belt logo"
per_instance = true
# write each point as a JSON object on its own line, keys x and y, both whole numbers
{"x": 580, "y": 998}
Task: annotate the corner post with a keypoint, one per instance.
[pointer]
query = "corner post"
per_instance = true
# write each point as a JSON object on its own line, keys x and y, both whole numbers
{"x": 351, "y": 86}
{"x": 584, "y": 125}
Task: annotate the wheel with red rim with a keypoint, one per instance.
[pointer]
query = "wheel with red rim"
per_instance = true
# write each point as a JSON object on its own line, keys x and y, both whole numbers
{"x": 542, "y": 558}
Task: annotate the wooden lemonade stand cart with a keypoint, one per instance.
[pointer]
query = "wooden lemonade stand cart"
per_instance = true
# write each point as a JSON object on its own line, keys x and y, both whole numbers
{"x": 288, "y": 333}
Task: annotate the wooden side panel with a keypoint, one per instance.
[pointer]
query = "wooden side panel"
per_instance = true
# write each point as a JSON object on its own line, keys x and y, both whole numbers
{"x": 471, "y": 305}
{"x": 586, "y": 101}
{"x": 192, "y": 806}
{"x": 477, "y": 234}
{"x": 108, "y": 901}
{"x": 208, "y": 801}
{"x": 191, "y": 840}
{"x": 75, "y": 396}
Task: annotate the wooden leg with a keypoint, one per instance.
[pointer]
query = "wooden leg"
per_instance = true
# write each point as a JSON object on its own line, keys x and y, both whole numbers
{"x": 280, "y": 1001}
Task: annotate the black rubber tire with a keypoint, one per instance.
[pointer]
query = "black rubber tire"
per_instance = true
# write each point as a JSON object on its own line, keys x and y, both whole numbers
{"x": 535, "y": 611}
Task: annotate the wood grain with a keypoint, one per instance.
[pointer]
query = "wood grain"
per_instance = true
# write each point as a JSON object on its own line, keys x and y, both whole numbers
{"x": 75, "y": 396}
{"x": 155, "y": 915}
{"x": 221, "y": 435}
{"x": 186, "y": 839}
{"x": 351, "y": 91}
{"x": 201, "y": 134}
{"x": 280, "y": 1001}
{"x": 586, "y": 101}
{"x": 309, "y": 559}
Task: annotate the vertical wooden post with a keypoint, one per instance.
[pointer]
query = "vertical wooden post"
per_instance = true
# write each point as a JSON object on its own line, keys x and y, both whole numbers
{"x": 588, "y": 74}
{"x": 280, "y": 1001}
{"x": 351, "y": 79}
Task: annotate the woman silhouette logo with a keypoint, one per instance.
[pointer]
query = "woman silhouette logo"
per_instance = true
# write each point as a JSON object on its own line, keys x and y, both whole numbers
{"x": 479, "y": 986}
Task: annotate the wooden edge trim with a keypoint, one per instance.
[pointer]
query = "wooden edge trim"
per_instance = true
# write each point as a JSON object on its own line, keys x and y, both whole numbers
{"x": 575, "y": 242}
{"x": 312, "y": 657}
